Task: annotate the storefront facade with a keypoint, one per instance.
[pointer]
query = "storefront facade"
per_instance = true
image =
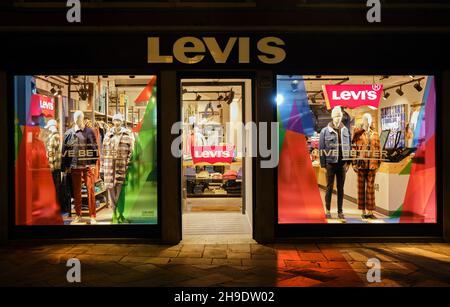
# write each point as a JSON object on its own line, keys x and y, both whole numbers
{"x": 285, "y": 82}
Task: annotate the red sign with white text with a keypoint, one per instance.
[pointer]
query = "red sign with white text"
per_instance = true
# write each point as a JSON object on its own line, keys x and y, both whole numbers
{"x": 42, "y": 105}
{"x": 352, "y": 95}
{"x": 212, "y": 154}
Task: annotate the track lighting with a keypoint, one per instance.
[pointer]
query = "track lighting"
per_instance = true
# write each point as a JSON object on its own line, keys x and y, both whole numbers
{"x": 198, "y": 97}
{"x": 399, "y": 91}
{"x": 131, "y": 77}
{"x": 53, "y": 91}
{"x": 60, "y": 92}
{"x": 220, "y": 97}
{"x": 386, "y": 95}
{"x": 185, "y": 90}
{"x": 418, "y": 87}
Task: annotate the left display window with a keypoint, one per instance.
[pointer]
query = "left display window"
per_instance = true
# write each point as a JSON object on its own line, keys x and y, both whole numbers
{"x": 85, "y": 150}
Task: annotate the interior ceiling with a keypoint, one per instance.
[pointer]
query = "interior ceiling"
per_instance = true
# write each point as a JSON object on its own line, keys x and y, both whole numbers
{"x": 210, "y": 92}
{"x": 119, "y": 79}
{"x": 387, "y": 82}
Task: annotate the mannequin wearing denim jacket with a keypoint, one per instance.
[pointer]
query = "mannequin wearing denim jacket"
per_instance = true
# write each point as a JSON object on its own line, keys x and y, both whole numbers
{"x": 334, "y": 152}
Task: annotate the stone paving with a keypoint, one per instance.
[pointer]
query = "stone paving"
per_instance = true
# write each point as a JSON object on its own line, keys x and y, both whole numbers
{"x": 223, "y": 265}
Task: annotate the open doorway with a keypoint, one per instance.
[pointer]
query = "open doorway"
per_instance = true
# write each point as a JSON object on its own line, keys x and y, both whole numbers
{"x": 216, "y": 171}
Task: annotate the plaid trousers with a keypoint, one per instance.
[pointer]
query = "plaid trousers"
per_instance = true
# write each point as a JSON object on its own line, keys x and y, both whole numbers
{"x": 366, "y": 189}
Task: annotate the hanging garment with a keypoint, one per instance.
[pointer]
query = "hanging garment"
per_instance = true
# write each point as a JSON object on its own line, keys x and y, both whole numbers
{"x": 53, "y": 147}
{"x": 117, "y": 151}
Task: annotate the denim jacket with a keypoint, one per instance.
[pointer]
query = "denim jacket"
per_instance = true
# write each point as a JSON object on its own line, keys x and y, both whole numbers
{"x": 328, "y": 145}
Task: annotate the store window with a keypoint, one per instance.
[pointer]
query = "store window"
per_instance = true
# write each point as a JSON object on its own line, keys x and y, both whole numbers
{"x": 85, "y": 150}
{"x": 356, "y": 149}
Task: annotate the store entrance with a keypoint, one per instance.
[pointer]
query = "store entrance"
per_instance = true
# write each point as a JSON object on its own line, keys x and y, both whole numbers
{"x": 216, "y": 172}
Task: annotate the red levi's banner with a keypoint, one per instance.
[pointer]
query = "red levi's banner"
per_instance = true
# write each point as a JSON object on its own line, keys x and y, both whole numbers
{"x": 212, "y": 154}
{"x": 42, "y": 105}
{"x": 352, "y": 95}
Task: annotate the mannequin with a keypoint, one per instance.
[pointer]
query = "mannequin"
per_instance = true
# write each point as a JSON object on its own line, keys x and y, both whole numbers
{"x": 118, "y": 146}
{"x": 334, "y": 151}
{"x": 53, "y": 149}
{"x": 80, "y": 154}
{"x": 366, "y": 143}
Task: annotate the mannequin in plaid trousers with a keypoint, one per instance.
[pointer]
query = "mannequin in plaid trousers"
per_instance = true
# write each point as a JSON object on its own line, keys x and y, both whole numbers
{"x": 366, "y": 143}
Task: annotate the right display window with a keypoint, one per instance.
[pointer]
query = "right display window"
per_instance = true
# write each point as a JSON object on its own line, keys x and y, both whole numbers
{"x": 356, "y": 149}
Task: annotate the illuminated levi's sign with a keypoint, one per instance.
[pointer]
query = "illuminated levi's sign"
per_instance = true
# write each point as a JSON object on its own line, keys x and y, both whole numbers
{"x": 192, "y": 50}
{"x": 352, "y": 95}
{"x": 212, "y": 154}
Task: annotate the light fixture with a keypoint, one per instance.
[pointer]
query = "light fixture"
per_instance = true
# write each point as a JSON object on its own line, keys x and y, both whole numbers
{"x": 105, "y": 77}
{"x": 83, "y": 89}
{"x": 53, "y": 91}
{"x": 399, "y": 91}
{"x": 60, "y": 92}
{"x": 184, "y": 90}
{"x": 418, "y": 87}
{"x": 131, "y": 77}
{"x": 220, "y": 97}
{"x": 294, "y": 85}
{"x": 230, "y": 97}
{"x": 386, "y": 95}
{"x": 279, "y": 99}
{"x": 198, "y": 97}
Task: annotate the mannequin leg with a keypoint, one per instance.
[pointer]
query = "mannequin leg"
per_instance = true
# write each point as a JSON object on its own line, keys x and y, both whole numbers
{"x": 331, "y": 172}
{"x": 88, "y": 175}
{"x": 362, "y": 190}
{"x": 371, "y": 190}
{"x": 340, "y": 178}
{"x": 76, "y": 184}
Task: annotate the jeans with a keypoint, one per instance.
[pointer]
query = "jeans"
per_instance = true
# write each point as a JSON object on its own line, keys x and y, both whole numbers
{"x": 89, "y": 181}
{"x": 338, "y": 170}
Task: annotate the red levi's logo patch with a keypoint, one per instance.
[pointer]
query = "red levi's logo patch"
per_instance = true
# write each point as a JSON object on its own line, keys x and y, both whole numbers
{"x": 352, "y": 95}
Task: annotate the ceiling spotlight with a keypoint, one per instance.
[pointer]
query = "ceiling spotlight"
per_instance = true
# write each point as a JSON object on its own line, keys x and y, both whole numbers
{"x": 185, "y": 90}
{"x": 399, "y": 91}
{"x": 318, "y": 77}
{"x": 60, "y": 92}
{"x": 386, "y": 95}
{"x": 294, "y": 85}
{"x": 418, "y": 87}
{"x": 105, "y": 77}
{"x": 198, "y": 97}
{"x": 219, "y": 106}
{"x": 411, "y": 76}
{"x": 53, "y": 91}
{"x": 220, "y": 97}
{"x": 131, "y": 77}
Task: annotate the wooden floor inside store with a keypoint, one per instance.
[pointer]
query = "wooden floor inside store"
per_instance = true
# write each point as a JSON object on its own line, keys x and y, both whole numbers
{"x": 213, "y": 204}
